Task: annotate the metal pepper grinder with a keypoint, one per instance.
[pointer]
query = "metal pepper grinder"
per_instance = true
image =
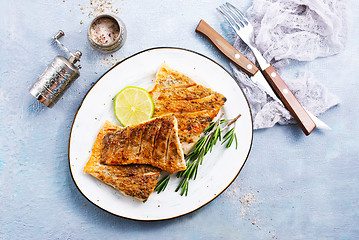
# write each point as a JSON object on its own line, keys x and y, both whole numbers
{"x": 57, "y": 77}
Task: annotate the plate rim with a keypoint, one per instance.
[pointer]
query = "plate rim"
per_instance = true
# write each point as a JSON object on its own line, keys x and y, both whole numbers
{"x": 99, "y": 79}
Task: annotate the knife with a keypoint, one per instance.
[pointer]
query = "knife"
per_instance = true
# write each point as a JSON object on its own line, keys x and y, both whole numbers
{"x": 256, "y": 76}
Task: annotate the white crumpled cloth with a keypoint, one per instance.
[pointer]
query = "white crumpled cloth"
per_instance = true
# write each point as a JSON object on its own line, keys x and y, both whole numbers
{"x": 286, "y": 30}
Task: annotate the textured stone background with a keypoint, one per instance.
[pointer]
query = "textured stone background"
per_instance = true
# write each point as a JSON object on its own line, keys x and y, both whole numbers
{"x": 292, "y": 186}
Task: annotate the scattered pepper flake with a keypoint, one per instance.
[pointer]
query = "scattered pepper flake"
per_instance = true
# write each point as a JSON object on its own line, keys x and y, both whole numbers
{"x": 97, "y": 7}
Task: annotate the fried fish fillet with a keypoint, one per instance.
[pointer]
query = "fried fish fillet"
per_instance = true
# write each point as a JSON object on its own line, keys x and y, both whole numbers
{"x": 154, "y": 142}
{"x": 194, "y": 106}
{"x": 135, "y": 180}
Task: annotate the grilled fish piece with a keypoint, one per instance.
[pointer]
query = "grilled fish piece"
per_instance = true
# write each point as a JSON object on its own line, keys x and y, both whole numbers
{"x": 194, "y": 106}
{"x": 154, "y": 142}
{"x": 135, "y": 180}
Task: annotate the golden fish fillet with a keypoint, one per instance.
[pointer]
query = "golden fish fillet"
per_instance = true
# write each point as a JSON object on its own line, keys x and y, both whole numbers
{"x": 135, "y": 180}
{"x": 154, "y": 142}
{"x": 194, "y": 106}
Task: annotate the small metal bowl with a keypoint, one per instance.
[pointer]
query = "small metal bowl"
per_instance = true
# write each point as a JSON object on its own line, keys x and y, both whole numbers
{"x": 116, "y": 44}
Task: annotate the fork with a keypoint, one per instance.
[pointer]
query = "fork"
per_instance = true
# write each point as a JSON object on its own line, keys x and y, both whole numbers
{"x": 244, "y": 30}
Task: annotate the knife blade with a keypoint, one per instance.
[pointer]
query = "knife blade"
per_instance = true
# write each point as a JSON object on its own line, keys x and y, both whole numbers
{"x": 255, "y": 74}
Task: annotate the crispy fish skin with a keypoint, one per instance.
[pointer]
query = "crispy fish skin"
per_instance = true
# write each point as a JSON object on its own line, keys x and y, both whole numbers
{"x": 148, "y": 145}
{"x": 133, "y": 180}
{"x": 189, "y": 93}
{"x": 167, "y": 77}
{"x": 212, "y": 102}
{"x": 194, "y": 105}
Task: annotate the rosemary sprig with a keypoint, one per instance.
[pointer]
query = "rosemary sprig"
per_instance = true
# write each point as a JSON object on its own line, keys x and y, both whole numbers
{"x": 211, "y": 135}
{"x": 196, "y": 155}
{"x": 231, "y": 136}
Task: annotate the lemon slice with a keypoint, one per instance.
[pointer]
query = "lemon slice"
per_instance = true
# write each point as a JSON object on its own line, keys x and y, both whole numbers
{"x": 133, "y": 105}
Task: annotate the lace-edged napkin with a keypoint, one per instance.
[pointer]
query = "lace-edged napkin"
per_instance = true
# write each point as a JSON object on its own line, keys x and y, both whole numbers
{"x": 288, "y": 30}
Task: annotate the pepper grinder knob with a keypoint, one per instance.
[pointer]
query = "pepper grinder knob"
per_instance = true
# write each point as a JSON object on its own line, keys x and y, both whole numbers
{"x": 75, "y": 57}
{"x": 59, "y": 34}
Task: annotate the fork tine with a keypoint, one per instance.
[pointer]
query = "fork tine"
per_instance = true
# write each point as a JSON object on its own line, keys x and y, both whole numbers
{"x": 237, "y": 13}
{"x": 228, "y": 18}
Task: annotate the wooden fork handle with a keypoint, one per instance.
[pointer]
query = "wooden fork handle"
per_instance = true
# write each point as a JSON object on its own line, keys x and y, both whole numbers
{"x": 289, "y": 100}
{"x": 226, "y": 48}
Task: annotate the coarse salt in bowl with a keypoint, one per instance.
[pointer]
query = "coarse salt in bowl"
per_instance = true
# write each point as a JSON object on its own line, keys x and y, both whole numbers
{"x": 107, "y": 33}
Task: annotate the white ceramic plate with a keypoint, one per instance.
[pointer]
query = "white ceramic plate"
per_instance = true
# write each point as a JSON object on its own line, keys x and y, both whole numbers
{"x": 219, "y": 168}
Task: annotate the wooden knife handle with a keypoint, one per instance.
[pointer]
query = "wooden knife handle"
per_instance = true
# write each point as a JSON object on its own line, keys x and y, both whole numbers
{"x": 226, "y": 48}
{"x": 289, "y": 100}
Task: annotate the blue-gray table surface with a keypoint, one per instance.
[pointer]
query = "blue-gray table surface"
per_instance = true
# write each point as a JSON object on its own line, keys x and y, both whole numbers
{"x": 291, "y": 187}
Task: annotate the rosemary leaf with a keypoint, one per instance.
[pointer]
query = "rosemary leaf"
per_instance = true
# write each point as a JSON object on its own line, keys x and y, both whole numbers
{"x": 216, "y": 135}
{"x": 195, "y": 173}
{"x": 228, "y": 134}
{"x": 209, "y": 128}
{"x": 230, "y": 141}
{"x": 180, "y": 184}
{"x": 235, "y": 138}
{"x": 162, "y": 184}
{"x": 201, "y": 145}
{"x": 208, "y": 146}
{"x": 185, "y": 188}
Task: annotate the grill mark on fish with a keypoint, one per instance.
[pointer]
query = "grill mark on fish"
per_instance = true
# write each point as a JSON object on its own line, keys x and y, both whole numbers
{"x": 154, "y": 142}
{"x": 139, "y": 149}
{"x": 167, "y": 144}
{"x": 124, "y": 153}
